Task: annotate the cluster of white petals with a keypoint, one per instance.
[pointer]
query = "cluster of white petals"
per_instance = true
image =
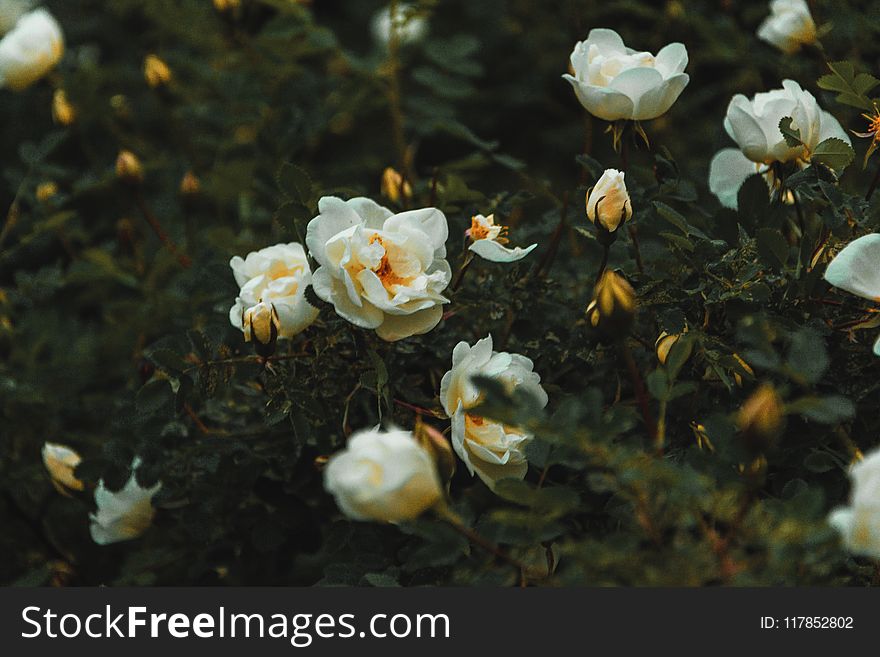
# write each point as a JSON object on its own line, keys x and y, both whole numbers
{"x": 856, "y": 269}
{"x": 614, "y": 82}
{"x": 491, "y": 449}
{"x": 124, "y": 514}
{"x": 273, "y": 282}
{"x": 30, "y": 49}
{"x": 380, "y": 270}
{"x": 383, "y": 475}
{"x": 754, "y": 125}
{"x": 859, "y": 523}
{"x": 789, "y": 25}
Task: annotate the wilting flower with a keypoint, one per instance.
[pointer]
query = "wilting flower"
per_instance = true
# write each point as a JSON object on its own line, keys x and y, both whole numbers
{"x": 491, "y": 449}
{"x": 273, "y": 282}
{"x": 754, "y": 126}
{"x": 124, "y": 514}
{"x": 61, "y": 462}
{"x": 613, "y": 307}
{"x": 615, "y": 82}
{"x": 383, "y": 475}
{"x": 30, "y": 50}
{"x": 608, "y": 204}
{"x": 856, "y": 269}
{"x": 380, "y": 270}
{"x": 488, "y": 240}
{"x": 156, "y": 71}
{"x": 394, "y": 186}
{"x": 410, "y": 26}
{"x": 789, "y": 25}
{"x": 859, "y": 523}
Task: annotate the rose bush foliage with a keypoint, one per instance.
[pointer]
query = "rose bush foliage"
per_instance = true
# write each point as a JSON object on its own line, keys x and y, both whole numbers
{"x": 169, "y": 419}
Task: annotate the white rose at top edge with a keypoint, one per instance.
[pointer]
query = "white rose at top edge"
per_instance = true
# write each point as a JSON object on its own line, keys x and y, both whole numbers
{"x": 614, "y": 82}
{"x": 856, "y": 269}
{"x": 789, "y": 25}
{"x": 124, "y": 514}
{"x": 380, "y": 270}
{"x": 385, "y": 476}
{"x": 859, "y": 523}
{"x": 276, "y": 275}
{"x": 30, "y": 50}
{"x": 754, "y": 125}
{"x": 491, "y": 449}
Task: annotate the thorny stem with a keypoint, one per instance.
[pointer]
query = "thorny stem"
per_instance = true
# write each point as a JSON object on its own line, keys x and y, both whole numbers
{"x": 468, "y": 259}
{"x": 637, "y": 252}
{"x": 641, "y": 392}
{"x": 156, "y": 225}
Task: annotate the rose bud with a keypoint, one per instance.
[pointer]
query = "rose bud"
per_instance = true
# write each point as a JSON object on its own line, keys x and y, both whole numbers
{"x": 60, "y": 462}
{"x": 128, "y": 167}
{"x": 761, "y": 419}
{"x": 608, "y": 204}
{"x": 260, "y": 324}
{"x": 156, "y": 72}
{"x": 613, "y": 307}
{"x": 62, "y": 111}
{"x": 394, "y": 187}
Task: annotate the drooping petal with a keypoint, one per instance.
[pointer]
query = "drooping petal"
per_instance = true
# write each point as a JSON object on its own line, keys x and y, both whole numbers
{"x": 398, "y": 327}
{"x": 495, "y": 252}
{"x": 602, "y": 102}
{"x": 856, "y": 269}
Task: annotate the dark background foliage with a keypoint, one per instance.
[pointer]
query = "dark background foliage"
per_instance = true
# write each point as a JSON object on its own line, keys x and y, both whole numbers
{"x": 110, "y": 346}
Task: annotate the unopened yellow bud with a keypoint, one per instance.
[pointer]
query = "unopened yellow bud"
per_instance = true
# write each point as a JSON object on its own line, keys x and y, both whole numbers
{"x": 394, "y": 187}
{"x": 189, "y": 184}
{"x": 743, "y": 364}
{"x": 156, "y": 72}
{"x": 60, "y": 462}
{"x": 62, "y": 111}
{"x": 128, "y": 167}
{"x": 761, "y": 418}
{"x": 226, "y": 5}
{"x": 260, "y": 324}
{"x": 45, "y": 191}
{"x": 613, "y": 307}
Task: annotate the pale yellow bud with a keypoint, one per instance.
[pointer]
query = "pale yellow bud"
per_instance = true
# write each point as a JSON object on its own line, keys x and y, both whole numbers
{"x": 226, "y": 5}
{"x": 128, "y": 167}
{"x": 613, "y": 307}
{"x": 761, "y": 418}
{"x": 261, "y": 324}
{"x": 156, "y": 72}
{"x": 45, "y": 191}
{"x": 189, "y": 184}
{"x": 608, "y": 204}
{"x": 63, "y": 112}
{"x": 394, "y": 187}
{"x": 60, "y": 462}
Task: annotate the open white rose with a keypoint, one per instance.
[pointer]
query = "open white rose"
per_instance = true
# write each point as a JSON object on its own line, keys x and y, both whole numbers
{"x": 61, "y": 462}
{"x": 856, "y": 269}
{"x": 789, "y": 25}
{"x": 608, "y": 204}
{"x": 615, "y": 82}
{"x": 754, "y": 126}
{"x": 410, "y": 26}
{"x": 124, "y": 514}
{"x": 383, "y": 475}
{"x": 380, "y": 270}
{"x": 859, "y": 523}
{"x": 11, "y": 11}
{"x": 492, "y": 450}
{"x": 275, "y": 277}
{"x": 30, "y": 50}
{"x": 488, "y": 240}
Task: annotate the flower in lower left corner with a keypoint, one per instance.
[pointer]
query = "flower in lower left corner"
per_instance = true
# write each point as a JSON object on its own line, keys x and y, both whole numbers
{"x": 859, "y": 523}
{"x": 856, "y": 269}
{"x": 124, "y": 514}
{"x": 386, "y": 476}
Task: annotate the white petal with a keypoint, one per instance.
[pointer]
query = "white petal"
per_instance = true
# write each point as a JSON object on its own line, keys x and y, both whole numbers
{"x": 727, "y": 172}
{"x": 398, "y": 327}
{"x": 856, "y": 269}
{"x": 335, "y": 216}
{"x": 492, "y": 250}
{"x": 602, "y": 102}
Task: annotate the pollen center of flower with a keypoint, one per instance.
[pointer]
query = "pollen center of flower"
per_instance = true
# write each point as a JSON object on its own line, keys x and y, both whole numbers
{"x": 384, "y": 270}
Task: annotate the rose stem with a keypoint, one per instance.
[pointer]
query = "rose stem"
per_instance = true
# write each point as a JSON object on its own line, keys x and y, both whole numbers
{"x": 605, "y": 250}
{"x": 167, "y": 242}
{"x": 550, "y": 255}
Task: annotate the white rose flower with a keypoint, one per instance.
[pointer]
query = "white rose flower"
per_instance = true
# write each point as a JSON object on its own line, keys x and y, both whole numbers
{"x": 492, "y": 450}
{"x": 383, "y": 475}
{"x": 615, "y": 82}
{"x": 124, "y": 514}
{"x": 754, "y": 126}
{"x": 488, "y": 240}
{"x": 789, "y": 25}
{"x": 410, "y": 26}
{"x": 60, "y": 462}
{"x": 30, "y": 50}
{"x": 856, "y": 269}
{"x": 380, "y": 270}
{"x": 11, "y": 11}
{"x": 859, "y": 523}
{"x": 608, "y": 204}
{"x": 277, "y": 278}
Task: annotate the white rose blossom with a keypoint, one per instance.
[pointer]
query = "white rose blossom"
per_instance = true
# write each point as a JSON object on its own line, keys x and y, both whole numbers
{"x": 30, "y": 50}
{"x": 488, "y": 240}
{"x": 856, "y": 269}
{"x": 385, "y": 476}
{"x": 124, "y": 514}
{"x": 754, "y": 126}
{"x": 491, "y": 449}
{"x": 61, "y": 462}
{"x": 273, "y": 282}
{"x": 608, "y": 204}
{"x": 859, "y": 523}
{"x": 789, "y": 25}
{"x": 380, "y": 270}
{"x": 411, "y": 27}
{"x": 614, "y": 82}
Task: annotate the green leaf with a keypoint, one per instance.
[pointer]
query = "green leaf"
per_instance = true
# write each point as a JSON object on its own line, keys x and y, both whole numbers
{"x": 792, "y": 135}
{"x": 772, "y": 247}
{"x": 833, "y": 153}
{"x": 153, "y": 396}
{"x": 673, "y": 216}
{"x": 852, "y": 89}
